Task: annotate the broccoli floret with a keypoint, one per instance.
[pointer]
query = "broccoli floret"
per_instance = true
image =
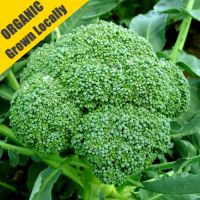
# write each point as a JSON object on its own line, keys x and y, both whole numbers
{"x": 103, "y": 42}
{"x": 119, "y": 142}
{"x": 179, "y": 94}
{"x": 92, "y": 85}
{"x": 108, "y": 82}
{"x": 159, "y": 88}
{"x": 40, "y": 116}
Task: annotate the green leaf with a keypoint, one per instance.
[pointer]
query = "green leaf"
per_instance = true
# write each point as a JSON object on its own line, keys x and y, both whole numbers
{"x": 14, "y": 158}
{"x": 23, "y": 160}
{"x": 190, "y": 127}
{"x": 88, "y": 13}
{"x": 185, "y": 148}
{"x": 195, "y": 139}
{"x": 189, "y": 63}
{"x": 152, "y": 27}
{"x": 44, "y": 184}
{"x": 97, "y": 8}
{"x": 175, "y": 185}
{"x": 195, "y": 14}
{"x": 2, "y": 76}
{"x": 170, "y": 6}
{"x": 148, "y": 195}
{"x": 33, "y": 173}
{"x": 176, "y": 126}
{"x": 176, "y": 9}
{"x": 6, "y": 92}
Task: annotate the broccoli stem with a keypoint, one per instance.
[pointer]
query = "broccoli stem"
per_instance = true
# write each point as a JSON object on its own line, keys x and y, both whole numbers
{"x": 62, "y": 163}
{"x": 8, "y": 187}
{"x": 170, "y": 165}
{"x": 21, "y": 150}
{"x": 185, "y": 25}
{"x": 12, "y": 80}
{"x": 7, "y": 132}
{"x": 54, "y": 161}
{"x": 162, "y": 166}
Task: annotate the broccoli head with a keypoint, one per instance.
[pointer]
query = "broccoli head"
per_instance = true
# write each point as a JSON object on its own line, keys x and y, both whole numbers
{"x": 101, "y": 90}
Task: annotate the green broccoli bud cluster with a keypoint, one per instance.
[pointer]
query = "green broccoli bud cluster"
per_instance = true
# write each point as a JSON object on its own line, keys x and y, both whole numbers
{"x": 40, "y": 116}
{"x": 92, "y": 85}
{"x": 119, "y": 141}
{"x": 102, "y": 91}
{"x": 160, "y": 88}
{"x": 103, "y": 42}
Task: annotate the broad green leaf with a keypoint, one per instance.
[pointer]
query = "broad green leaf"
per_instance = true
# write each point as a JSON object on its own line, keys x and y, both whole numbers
{"x": 14, "y": 158}
{"x": 190, "y": 127}
{"x": 180, "y": 164}
{"x": 190, "y": 63}
{"x": 6, "y": 92}
{"x": 185, "y": 148}
{"x": 170, "y": 6}
{"x": 175, "y": 185}
{"x": 195, "y": 139}
{"x": 152, "y": 27}
{"x": 44, "y": 184}
{"x": 196, "y": 5}
{"x": 33, "y": 173}
{"x": 191, "y": 164}
{"x": 176, "y": 9}
{"x": 99, "y": 7}
{"x": 88, "y": 13}
{"x": 195, "y": 14}
{"x": 148, "y": 195}
{"x": 195, "y": 168}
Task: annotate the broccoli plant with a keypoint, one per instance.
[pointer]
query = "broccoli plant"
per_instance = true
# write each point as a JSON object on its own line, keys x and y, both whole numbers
{"x": 99, "y": 106}
{"x": 102, "y": 91}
